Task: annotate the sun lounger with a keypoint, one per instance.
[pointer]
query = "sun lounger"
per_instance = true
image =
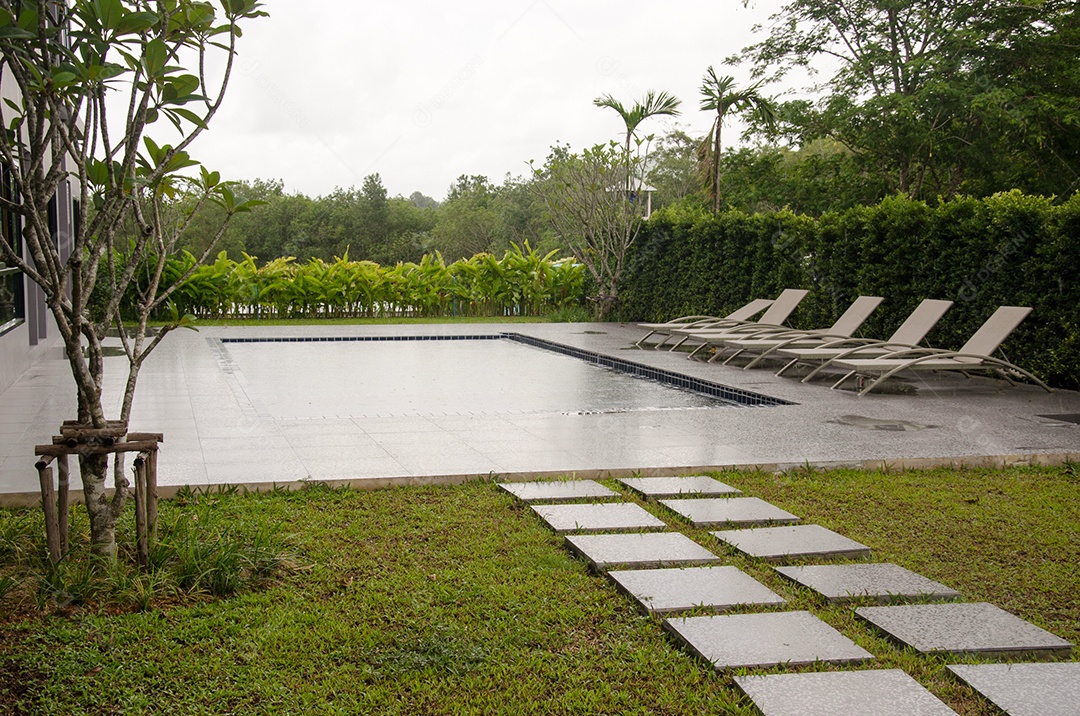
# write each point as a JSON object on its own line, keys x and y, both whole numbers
{"x": 844, "y": 327}
{"x": 909, "y": 335}
{"x": 740, "y": 315}
{"x": 972, "y": 356}
{"x": 772, "y": 320}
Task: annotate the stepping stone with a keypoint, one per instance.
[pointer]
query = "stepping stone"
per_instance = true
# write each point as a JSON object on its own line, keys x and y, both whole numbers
{"x": 761, "y": 640}
{"x": 1026, "y": 689}
{"x": 777, "y": 544}
{"x": 598, "y": 517}
{"x": 882, "y": 692}
{"x": 674, "y": 590}
{"x": 657, "y": 487}
{"x": 716, "y": 512}
{"x": 978, "y": 628}
{"x": 886, "y": 582}
{"x": 657, "y": 549}
{"x": 558, "y": 491}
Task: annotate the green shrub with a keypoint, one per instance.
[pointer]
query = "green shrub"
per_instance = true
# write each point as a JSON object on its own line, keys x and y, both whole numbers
{"x": 1007, "y": 249}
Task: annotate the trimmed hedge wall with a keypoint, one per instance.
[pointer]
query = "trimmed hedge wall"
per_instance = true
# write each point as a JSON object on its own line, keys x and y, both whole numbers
{"x": 1007, "y": 249}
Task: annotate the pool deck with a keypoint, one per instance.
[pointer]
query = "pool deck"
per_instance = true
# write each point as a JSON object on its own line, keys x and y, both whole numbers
{"x": 213, "y": 436}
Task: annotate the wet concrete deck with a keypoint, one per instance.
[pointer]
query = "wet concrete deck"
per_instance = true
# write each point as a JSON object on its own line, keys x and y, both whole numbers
{"x": 217, "y": 432}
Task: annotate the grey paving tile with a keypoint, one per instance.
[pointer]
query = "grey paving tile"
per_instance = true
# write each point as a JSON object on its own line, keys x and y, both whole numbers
{"x": 761, "y": 640}
{"x": 698, "y": 485}
{"x": 1044, "y": 689}
{"x": 878, "y": 692}
{"x": 962, "y": 629}
{"x": 597, "y": 517}
{"x": 558, "y": 490}
{"x": 312, "y": 453}
{"x": 534, "y": 462}
{"x": 656, "y": 549}
{"x": 245, "y": 453}
{"x": 664, "y": 591}
{"x": 719, "y": 511}
{"x": 445, "y": 463}
{"x": 886, "y": 582}
{"x": 348, "y": 441}
{"x": 353, "y": 468}
{"x": 792, "y": 542}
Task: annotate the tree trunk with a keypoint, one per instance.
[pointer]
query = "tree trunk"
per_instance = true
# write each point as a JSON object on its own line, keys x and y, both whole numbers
{"x": 716, "y": 164}
{"x": 99, "y": 508}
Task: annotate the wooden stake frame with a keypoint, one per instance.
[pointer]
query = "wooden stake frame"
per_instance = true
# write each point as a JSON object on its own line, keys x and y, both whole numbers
{"x": 78, "y": 439}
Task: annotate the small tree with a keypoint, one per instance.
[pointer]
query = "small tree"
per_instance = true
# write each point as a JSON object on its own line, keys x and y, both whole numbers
{"x": 719, "y": 95}
{"x": 653, "y": 105}
{"x": 591, "y": 209}
{"x": 77, "y": 67}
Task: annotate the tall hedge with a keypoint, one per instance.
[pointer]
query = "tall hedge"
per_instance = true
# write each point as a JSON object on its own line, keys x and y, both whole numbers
{"x": 1007, "y": 249}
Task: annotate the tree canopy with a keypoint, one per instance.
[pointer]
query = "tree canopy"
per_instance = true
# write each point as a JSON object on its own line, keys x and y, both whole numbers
{"x": 937, "y": 97}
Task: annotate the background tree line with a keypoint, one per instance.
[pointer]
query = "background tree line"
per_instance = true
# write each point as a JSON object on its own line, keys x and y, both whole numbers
{"x": 476, "y": 216}
{"x": 927, "y": 99}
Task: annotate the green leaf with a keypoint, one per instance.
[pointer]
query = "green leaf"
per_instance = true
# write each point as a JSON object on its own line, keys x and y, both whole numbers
{"x": 151, "y": 115}
{"x": 28, "y": 20}
{"x": 136, "y": 22}
{"x": 97, "y": 171}
{"x": 63, "y": 78}
{"x": 11, "y": 32}
{"x": 189, "y": 116}
{"x": 248, "y": 205}
{"x": 184, "y": 84}
{"x": 110, "y": 12}
{"x": 155, "y": 57}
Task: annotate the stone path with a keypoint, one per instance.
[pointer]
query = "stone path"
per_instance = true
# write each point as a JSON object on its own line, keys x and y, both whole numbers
{"x": 883, "y": 692}
{"x": 840, "y": 583}
{"x": 691, "y": 485}
{"x": 598, "y": 517}
{"x": 662, "y": 591}
{"x": 730, "y": 511}
{"x": 666, "y": 572}
{"x": 1026, "y": 689}
{"x": 559, "y": 491}
{"x": 798, "y": 541}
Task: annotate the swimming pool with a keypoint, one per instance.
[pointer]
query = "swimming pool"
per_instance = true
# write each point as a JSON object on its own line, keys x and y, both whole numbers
{"x": 454, "y": 375}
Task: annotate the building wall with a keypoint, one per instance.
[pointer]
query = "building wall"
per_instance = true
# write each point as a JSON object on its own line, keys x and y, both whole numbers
{"x": 30, "y": 341}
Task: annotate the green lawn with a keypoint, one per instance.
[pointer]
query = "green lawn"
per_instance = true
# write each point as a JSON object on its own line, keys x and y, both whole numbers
{"x": 458, "y": 600}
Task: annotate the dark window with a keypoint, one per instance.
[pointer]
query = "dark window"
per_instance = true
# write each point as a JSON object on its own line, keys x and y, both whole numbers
{"x": 12, "y": 302}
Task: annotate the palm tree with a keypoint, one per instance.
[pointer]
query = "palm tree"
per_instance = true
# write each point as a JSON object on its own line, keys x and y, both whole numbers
{"x": 653, "y": 105}
{"x": 719, "y": 95}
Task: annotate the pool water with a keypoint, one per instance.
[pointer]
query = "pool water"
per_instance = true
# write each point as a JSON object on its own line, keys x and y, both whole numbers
{"x": 314, "y": 379}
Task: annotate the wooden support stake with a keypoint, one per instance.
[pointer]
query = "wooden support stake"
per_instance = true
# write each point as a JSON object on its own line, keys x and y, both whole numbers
{"x": 140, "y": 511}
{"x": 151, "y": 495}
{"x": 86, "y": 431}
{"x": 52, "y": 531}
{"x": 56, "y": 450}
{"x": 144, "y": 437}
{"x": 63, "y": 513}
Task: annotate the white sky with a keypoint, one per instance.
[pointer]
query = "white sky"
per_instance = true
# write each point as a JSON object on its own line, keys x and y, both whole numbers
{"x": 422, "y": 91}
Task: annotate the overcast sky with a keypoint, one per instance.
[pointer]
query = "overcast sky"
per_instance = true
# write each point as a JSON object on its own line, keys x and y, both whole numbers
{"x": 422, "y": 91}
